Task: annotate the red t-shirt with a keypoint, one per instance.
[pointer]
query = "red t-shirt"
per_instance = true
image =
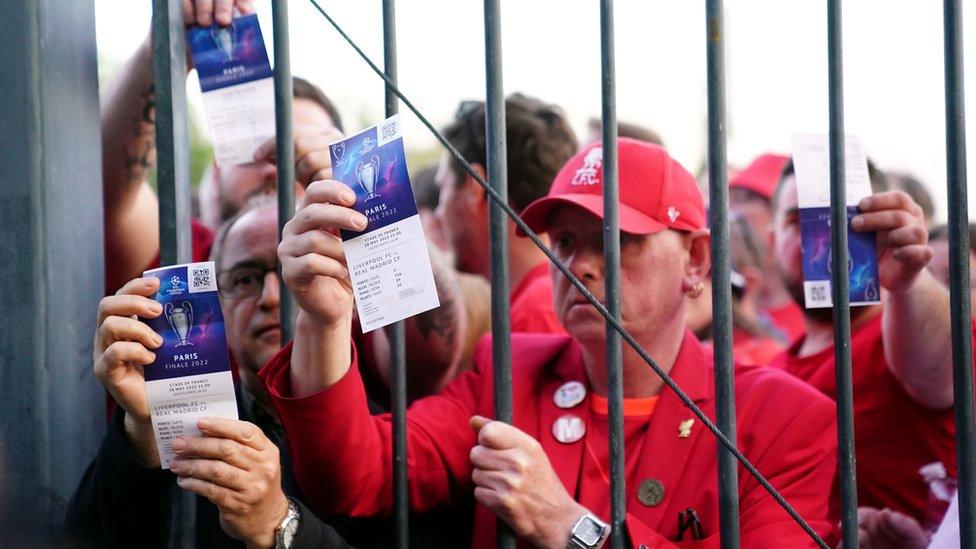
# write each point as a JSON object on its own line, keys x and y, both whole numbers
{"x": 789, "y": 320}
{"x": 894, "y": 435}
{"x": 530, "y": 308}
{"x": 748, "y": 348}
{"x": 594, "y": 492}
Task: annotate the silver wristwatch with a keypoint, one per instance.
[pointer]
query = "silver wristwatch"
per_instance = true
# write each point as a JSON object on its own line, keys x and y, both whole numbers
{"x": 285, "y": 533}
{"x": 589, "y": 532}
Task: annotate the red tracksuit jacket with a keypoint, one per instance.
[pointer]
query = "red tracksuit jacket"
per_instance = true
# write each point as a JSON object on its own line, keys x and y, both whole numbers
{"x": 342, "y": 454}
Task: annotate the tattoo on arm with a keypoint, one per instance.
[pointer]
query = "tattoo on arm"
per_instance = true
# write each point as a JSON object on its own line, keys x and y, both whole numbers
{"x": 140, "y": 157}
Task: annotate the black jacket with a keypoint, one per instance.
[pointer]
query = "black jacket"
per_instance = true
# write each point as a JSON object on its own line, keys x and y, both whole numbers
{"x": 121, "y": 503}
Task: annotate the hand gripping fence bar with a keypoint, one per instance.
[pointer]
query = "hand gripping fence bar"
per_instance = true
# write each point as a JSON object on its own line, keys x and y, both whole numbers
{"x": 397, "y": 335}
{"x": 497, "y": 231}
{"x": 582, "y": 289}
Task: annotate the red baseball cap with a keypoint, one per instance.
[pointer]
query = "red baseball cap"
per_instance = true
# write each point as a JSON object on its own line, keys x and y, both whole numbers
{"x": 761, "y": 176}
{"x": 656, "y": 192}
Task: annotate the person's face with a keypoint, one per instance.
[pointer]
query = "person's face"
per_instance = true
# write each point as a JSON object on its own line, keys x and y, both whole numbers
{"x": 235, "y": 184}
{"x": 249, "y": 288}
{"x": 652, "y": 273}
{"x": 459, "y": 217}
{"x": 939, "y": 267}
{"x": 786, "y": 243}
{"x": 752, "y": 208}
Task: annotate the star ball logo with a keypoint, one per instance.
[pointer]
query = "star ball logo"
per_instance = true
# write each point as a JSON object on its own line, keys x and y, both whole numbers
{"x": 176, "y": 286}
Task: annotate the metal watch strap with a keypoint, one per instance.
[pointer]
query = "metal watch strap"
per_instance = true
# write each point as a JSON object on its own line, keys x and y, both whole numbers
{"x": 284, "y": 533}
{"x": 576, "y": 543}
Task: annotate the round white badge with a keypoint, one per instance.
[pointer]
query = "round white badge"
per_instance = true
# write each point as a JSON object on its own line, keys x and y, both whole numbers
{"x": 569, "y": 394}
{"x": 568, "y": 429}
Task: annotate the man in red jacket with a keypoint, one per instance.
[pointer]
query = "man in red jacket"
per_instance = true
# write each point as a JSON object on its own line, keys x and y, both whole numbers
{"x": 546, "y": 475}
{"x": 900, "y": 353}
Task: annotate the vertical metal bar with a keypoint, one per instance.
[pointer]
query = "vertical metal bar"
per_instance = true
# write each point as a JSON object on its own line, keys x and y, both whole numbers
{"x": 611, "y": 254}
{"x": 51, "y": 219}
{"x": 721, "y": 287}
{"x": 173, "y": 177}
{"x": 839, "y": 279}
{"x": 285, "y": 151}
{"x": 172, "y": 135}
{"x": 398, "y": 354}
{"x": 962, "y": 352}
{"x": 498, "y": 229}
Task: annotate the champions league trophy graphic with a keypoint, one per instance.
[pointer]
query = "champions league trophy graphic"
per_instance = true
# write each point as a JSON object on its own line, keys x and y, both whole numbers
{"x": 180, "y": 318}
{"x": 223, "y": 38}
{"x": 338, "y": 150}
{"x": 366, "y": 174}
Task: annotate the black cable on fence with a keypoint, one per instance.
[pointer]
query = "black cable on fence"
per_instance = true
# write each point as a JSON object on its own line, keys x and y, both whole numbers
{"x": 612, "y": 322}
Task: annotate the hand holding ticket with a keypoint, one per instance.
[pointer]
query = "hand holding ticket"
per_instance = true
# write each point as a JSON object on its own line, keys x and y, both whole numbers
{"x": 381, "y": 256}
{"x": 238, "y": 87}
{"x": 388, "y": 262}
{"x": 811, "y": 162}
{"x": 190, "y": 376}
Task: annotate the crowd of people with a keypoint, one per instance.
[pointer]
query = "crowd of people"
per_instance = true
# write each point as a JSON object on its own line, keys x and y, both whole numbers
{"x": 308, "y": 464}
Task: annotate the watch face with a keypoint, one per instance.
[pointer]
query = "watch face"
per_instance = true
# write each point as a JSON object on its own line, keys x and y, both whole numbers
{"x": 589, "y": 532}
{"x": 288, "y": 532}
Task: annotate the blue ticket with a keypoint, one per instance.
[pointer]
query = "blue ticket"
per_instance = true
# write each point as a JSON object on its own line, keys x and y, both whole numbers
{"x": 810, "y": 158}
{"x": 238, "y": 87}
{"x": 191, "y": 376}
{"x": 388, "y": 262}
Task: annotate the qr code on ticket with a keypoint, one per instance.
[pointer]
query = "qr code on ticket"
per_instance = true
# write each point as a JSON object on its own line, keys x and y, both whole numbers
{"x": 388, "y": 131}
{"x": 202, "y": 278}
{"x": 817, "y": 292}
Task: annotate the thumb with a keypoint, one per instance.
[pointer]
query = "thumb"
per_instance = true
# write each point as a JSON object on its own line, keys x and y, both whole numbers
{"x": 267, "y": 151}
{"x": 477, "y": 422}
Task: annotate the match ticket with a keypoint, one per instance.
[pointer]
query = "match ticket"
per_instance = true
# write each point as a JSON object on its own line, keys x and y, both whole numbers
{"x": 388, "y": 262}
{"x": 191, "y": 377}
{"x": 238, "y": 87}
{"x": 812, "y": 166}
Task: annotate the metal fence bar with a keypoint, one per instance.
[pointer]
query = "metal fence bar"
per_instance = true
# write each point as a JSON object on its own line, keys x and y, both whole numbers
{"x": 728, "y": 478}
{"x": 839, "y": 279}
{"x": 962, "y": 352}
{"x": 285, "y": 151}
{"x": 611, "y": 254}
{"x": 396, "y": 333}
{"x": 172, "y": 133}
{"x": 498, "y": 230}
{"x": 492, "y": 194}
{"x": 173, "y": 177}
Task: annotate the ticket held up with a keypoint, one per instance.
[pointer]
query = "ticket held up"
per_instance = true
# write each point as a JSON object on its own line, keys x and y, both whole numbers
{"x": 388, "y": 262}
{"x": 238, "y": 87}
{"x": 811, "y": 163}
{"x": 190, "y": 378}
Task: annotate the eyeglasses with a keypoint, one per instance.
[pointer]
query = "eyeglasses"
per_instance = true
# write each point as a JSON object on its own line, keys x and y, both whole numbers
{"x": 244, "y": 282}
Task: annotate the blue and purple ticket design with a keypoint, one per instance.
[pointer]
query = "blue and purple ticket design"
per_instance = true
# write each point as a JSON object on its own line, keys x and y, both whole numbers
{"x": 191, "y": 377}
{"x": 388, "y": 262}
{"x": 238, "y": 87}
{"x": 811, "y": 163}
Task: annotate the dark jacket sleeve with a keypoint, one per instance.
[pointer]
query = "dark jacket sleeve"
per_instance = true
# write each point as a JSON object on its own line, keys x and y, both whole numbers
{"x": 119, "y": 502}
{"x": 314, "y": 534}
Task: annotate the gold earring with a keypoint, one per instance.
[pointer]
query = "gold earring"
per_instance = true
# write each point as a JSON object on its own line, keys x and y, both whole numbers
{"x": 696, "y": 290}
